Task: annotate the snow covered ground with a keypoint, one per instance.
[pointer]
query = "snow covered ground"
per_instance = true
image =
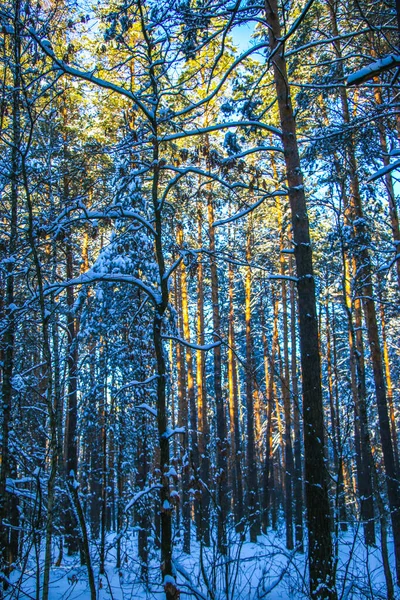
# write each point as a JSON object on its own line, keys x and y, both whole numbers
{"x": 252, "y": 571}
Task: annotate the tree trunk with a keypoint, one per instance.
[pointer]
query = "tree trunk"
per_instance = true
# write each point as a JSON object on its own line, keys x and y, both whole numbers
{"x": 222, "y": 442}
{"x": 340, "y": 502}
{"x": 253, "y": 505}
{"x": 204, "y": 533}
{"x": 393, "y": 212}
{"x": 183, "y": 421}
{"x": 8, "y": 500}
{"x": 298, "y": 478}
{"x": 71, "y": 441}
{"x": 236, "y": 452}
{"x": 322, "y": 585}
{"x": 269, "y": 364}
{"x": 389, "y": 384}
{"x": 193, "y": 457}
{"x": 289, "y": 466}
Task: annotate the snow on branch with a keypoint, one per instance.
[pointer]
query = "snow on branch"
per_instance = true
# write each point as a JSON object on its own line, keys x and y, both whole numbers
{"x": 204, "y": 348}
{"x": 193, "y": 589}
{"x": 252, "y": 151}
{"x": 246, "y": 211}
{"x": 135, "y": 383}
{"x": 152, "y": 411}
{"x": 227, "y": 73}
{"x": 142, "y": 493}
{"x": 91, "y": 277}
{"x": 114, "y": 212}
{"x": 218, "y": 127}
{"x": 282, "y": 277}
{"x": 330, "y": 40}
{"x": 374, "y": 69}
{"x": 384, "y": 171}
{"x": 171, "y": 432}
{"x": 87, "y": 75}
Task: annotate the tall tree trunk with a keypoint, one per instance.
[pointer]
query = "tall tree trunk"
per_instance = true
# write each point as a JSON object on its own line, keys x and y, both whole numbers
{"x": 8, "y": 501}
{"x": 193, "y": 458}
{"x": 160, "y": 308}
{"x": 389, "y": 383}
{"x": 71, "y": 421}
{"x": 393, "y": 212}
{"x": 289, "y": 466}
{"x": 364, "y": 461}
{"x": 253, "y": 504}
{"x": 203, "y": 426}
{"x": 340, "y": 505}
{"x": 183, "y": 420}
{"x": 103, "y": 429}
{"x": 222, "y": 442}
{"x": 298, "y": 478}
{"x": 93, "y": 442}
{"x": 51, "y": 400}
{"x": 322, "y": 585}
{"x": 364, "y": 289}
{"x": 236, "y": 452}
{"x": 269, "y": 365}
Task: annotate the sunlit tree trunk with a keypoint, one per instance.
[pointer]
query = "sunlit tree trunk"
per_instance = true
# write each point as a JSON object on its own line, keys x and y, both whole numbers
{"x": 364, "y": 288}
{"x": 183, "y": 420}
{"x": 389, "y": 383}
{"x": 268, "y": 503}
{"x": 340, "y": 505}
{"x": 193, "y": 457}
{"x": 236, "y": 444}
{"x": 221, "y": 442}
{"x": 364, "y": 461}
{"x": 393, "y": 212}
{"x": 203, "y": 426}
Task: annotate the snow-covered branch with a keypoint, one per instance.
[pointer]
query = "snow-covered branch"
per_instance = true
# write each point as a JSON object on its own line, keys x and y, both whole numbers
{"x": 203, "y": 348}
{"x": 109, "y": 213}
{"x": 218, "y": 127}
{"x": 141, "y": 494}
{"x": 135, "y": 383}
{"x": 249, "y": 209}
{"x": 88, "y": 75}
{"x": 384, "y": 171}
{"x": 374, "y": 69}
{"x": 91, "y": 277}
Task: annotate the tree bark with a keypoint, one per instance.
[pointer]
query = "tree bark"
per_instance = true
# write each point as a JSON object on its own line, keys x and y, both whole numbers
{"x": 322, "y": 585}
{"x": 285, "y": 380}
{"x": 236, "y": 452}
{"x": 8, "y": 501}
{"x": 253, "y": 505}
{"x": 298, "y": 478}
{"x": 222, "y": 442}
{"x": 204, "y": 533}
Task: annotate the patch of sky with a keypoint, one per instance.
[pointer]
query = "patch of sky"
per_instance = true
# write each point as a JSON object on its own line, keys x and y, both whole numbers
{"x": 241, "y": 36}
{"x": 243, "y": 39}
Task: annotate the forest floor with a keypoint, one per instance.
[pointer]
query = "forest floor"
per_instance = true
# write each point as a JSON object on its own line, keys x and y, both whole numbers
{"x": 265, "y": 570}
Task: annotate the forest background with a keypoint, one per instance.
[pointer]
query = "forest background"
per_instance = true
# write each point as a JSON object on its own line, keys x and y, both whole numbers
{"x": 199, "y": 298}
